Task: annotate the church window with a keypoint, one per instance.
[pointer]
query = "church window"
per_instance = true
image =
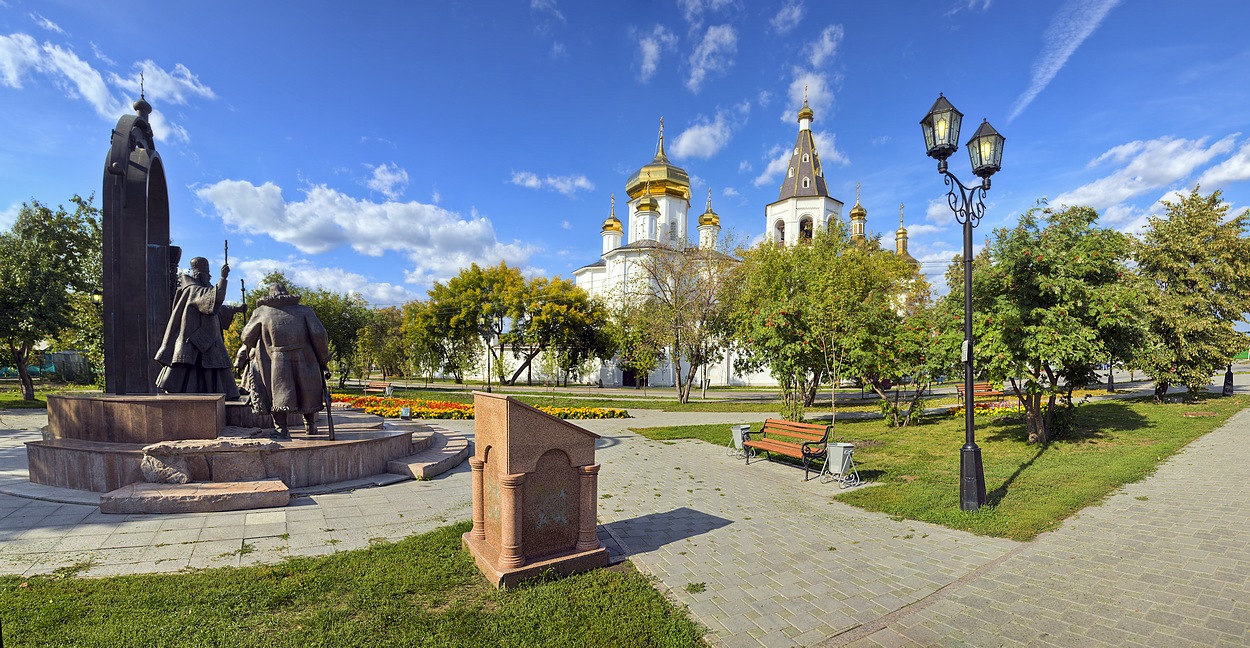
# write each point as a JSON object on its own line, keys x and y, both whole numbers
{"x": 805, "y": 157}
{"x": 807, "y": 182}
{"x": 796, "y": 150}
{"x": 672, "y": 232}
{"x": 805, "y": 229}
{"x": 779, "y": 233}
{"x": 791, "y": 174}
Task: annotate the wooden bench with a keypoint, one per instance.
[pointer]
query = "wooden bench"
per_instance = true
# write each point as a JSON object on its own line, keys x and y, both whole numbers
{"x": 804, "y": 441}
{"x": 378, "y": 387}
{"x": 979, "y": 390}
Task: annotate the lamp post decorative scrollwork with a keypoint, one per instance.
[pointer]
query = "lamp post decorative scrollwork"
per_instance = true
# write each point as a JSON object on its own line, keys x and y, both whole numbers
{"x": 941, "y": 134}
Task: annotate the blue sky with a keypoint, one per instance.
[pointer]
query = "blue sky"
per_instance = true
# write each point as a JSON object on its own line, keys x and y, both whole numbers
{"x": 379, "y": 148}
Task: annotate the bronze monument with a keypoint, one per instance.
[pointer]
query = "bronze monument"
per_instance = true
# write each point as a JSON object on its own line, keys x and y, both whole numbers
{"x": 284, "y": 357}
{"x": 193, "y": 351}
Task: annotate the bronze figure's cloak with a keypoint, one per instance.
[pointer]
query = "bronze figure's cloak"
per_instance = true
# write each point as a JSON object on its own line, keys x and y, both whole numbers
{"x": 193, "y": 352}
{"x": 289, "y": 349}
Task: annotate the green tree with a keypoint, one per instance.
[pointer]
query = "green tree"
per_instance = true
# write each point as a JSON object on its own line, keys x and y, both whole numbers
{"x": 557, "y": 315}
{"x": 1049, "y": 300}
{"x": 381, "y": 341}
{"x": 488, "y": 301}
{"x": 85, "y": 333}
{"x": 1195, "y": 260}
{"x": 45, "y": 257}
{"x": 637, "y": 350}
{"x": 689, "y": 292}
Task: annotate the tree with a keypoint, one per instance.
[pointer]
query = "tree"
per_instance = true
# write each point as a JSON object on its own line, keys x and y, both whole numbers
{"x": 434, "y": 345}
{"x": 828, "y": 308}
{"x": 45, "y": 257}
{"x": 557, "y": 315}
{"x": 1049, "y": 300}
{"x": 488, "y": 301}
{"x": 381, "y": 341}
{"x": 1195, "y": 261}
{"x": 689, "y": 292}
{"x": 637, "y": 350}
{"x": 85, "y": 333}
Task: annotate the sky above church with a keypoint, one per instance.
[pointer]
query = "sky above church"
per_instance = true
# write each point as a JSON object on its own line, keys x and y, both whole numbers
{"x": 378, "y": 147}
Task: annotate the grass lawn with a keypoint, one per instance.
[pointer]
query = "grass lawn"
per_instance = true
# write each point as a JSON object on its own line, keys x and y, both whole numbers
{"x": 660, "y": 399}
{"x": 1031, "y": 489}
{"x": 424, "y": 590}
{"x": 11, "y": 393}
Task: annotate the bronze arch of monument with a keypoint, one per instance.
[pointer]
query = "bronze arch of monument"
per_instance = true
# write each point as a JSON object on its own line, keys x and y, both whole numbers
{"x": 139, "y": 262}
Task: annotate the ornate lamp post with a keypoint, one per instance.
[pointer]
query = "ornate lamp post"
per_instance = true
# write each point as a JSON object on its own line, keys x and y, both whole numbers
{"x": 941, "y": 138}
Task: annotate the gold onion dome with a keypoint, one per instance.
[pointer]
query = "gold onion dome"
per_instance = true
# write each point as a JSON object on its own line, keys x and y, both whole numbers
{"x": 805, "y": 112}
{"x": 858, "y": 210}
{"x": 648, "y": 203}
{"x": 613, "y": 224}
{"x": 663, "y": 175}
{"x": 709, "y": 217}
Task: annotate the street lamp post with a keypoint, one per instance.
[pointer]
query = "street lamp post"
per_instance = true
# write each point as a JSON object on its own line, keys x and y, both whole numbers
{"x": 985, "y": 149}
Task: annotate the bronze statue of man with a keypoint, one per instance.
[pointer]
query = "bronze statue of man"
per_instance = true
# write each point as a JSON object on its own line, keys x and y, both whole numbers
{"x": 193, "y": 351}
{"x": 286, "y": 351}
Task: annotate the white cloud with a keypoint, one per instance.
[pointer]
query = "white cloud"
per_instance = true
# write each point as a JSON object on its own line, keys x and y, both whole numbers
{"x": 777, "y": 164}
{"x": 937, "y": 211}
{"x": 46, "y": 24}
{"x": 1234, "y": 169}
{"x": 437, "y": 242}
{"x": 825, "y": 47}
{"x": 692, "y": 10}
{"x": 567, "y": 185}
{"x": 713, "y": 54}
{"x": 1147, "y": 166}
{"x": 9, "y": 216}
{"x": 788, "y": 17}
{"x": 651, "y": 47}
{"x": 21, "y": 56}
{"x": 730, "y": 192}
{"x": 969, "y": 5}
{"x": 303, "y": 272}
{"x": 547, "y": 7}
{"x": 100, "y": 55}
{"x": 177, "y": 87}
{"x": 390, "y": 180}
{"x": 764, "y": 98}
{"x": 744, "y": 167}
{"x": 1075, "y": 21}
{"x": 566, "y": 225}
{"x": 827, "y": 149}
{"x": 819, "y": 93}
{"x": 924, "y": 228}
{"x": 705, "y": 139}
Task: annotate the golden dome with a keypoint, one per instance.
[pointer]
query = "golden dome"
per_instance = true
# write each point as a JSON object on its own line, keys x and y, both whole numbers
{"x": 664, "y": 176}
{"x": 858, "y": 211}
{"x": 709, "y": 217}
{"x": 613, "y": 224}
{"x": 805, "y": 112}
{"x": 648, "y": 204}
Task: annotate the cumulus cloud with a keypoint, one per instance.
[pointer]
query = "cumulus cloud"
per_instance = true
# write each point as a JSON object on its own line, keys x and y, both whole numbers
{"x": 707, "y": 138}
{"x": 827, "y": 149}
{"x": 9, "y": 216}
{"x": 177, "y": 87}
{"x": 651, "y": 48}
{"x": 825, "y": 47}
{"x": 390, "y": 180}
{"x": 1145, "y": 166}
{"x": 778, "y": 162}
{"x": 1075, "y": 21}
{"x": 937, "y": 211}
{"x": 1234, "y": 169}
{"x": 303, "y": 272}
{"x": 730, "y": 192}
{"x": 46, "y": 24}
{"x": 567, "y": 185}
{"x": 787, "y": 18}
{"x": 713, "y": 54}
{"x": 924, "y": 228}
{"x": 819, "y": 91}
{"x": 22, "y": 58}
{"x": 436, "y": 241}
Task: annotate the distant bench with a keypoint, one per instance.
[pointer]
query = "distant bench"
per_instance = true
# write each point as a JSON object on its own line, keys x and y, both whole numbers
{"x": 379, "y": 387}
{"x": 803, "y": 441}
{"x": 979, "y": 390}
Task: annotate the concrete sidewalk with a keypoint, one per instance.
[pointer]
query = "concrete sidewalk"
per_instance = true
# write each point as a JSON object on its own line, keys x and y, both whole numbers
{"x": 760, "y": 557}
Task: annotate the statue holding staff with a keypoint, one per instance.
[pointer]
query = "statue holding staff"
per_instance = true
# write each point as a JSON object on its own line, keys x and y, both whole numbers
{"x": 193, "y": 350}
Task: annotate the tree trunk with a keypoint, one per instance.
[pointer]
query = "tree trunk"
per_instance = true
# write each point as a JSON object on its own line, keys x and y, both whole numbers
{"x": 1161, "y": 390}
{"x": 21, "y": 354}
{"x": 1111, "y": 376}
{"x": 1035, "y": 420}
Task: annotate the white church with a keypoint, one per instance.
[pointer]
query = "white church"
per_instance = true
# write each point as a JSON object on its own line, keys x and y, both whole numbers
{"x": 658, "y": 213}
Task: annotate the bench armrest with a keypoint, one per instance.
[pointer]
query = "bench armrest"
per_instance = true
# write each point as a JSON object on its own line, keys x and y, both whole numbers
{"x": 808, "y": 451}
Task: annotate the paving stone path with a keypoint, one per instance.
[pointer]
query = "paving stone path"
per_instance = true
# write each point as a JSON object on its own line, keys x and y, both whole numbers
{"x": 758, "y": 556}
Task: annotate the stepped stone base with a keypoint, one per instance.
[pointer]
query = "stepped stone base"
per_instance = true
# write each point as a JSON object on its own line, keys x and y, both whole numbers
{"x": 148, "y": 418}
{"x": 195, "y": 497}
{"x": 443, "y": 453}
{"x": 573, "y": 562}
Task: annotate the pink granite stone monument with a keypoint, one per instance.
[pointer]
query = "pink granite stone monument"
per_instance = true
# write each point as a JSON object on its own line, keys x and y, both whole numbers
{"x": 535, "y": 493}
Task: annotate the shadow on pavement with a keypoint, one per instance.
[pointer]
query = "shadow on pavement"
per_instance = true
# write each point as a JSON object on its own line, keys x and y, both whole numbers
{"x": 654, "y": 530}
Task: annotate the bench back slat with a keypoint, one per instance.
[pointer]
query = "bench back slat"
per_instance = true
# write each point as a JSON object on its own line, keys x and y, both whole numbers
{"x": 805, "y": 431}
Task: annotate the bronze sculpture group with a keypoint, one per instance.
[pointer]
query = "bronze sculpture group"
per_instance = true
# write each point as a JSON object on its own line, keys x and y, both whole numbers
{"x": 283, "y": 361}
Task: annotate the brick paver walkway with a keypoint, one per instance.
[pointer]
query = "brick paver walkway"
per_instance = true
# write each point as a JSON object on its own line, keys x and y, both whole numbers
{"x": 760, "y": 557}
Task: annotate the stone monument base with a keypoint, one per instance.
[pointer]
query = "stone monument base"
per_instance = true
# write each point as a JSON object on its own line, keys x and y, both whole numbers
{"x": 196, "y": 498}
{"x": 564, "y": 563}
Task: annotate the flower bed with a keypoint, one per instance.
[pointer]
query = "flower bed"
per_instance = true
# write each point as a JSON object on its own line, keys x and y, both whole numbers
{"x": 390, "y": 407}
{"x": 1001, "y": 408}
